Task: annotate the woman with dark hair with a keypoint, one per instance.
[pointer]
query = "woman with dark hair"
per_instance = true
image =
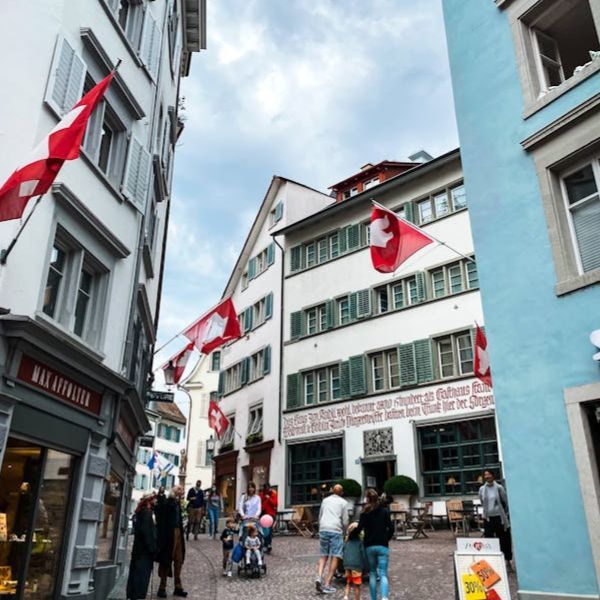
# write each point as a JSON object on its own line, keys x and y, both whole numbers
{"x": 144, "y": 549}
{"x": 249, "y": 508}
{"x": 378, "y": 528}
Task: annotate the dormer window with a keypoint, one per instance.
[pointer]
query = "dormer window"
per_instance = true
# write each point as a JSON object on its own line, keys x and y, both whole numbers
{"x": 371, "y": 183}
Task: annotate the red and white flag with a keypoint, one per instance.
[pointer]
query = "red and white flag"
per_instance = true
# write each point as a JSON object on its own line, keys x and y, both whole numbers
{"x": 179, "y": 362}
{"x": 217, "y": 327}
{"x": 393, "y": 240}
{"x": 482, "y": 359}
{"x": 217, "y": 419}
{"x": 45, "y": 161}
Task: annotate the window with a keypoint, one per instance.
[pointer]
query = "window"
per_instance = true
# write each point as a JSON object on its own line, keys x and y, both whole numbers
{"x": 82, "y": 306}
{"x": 276, "y": 214}
{"x": 311, "y": 321}
{"x": 310, "y": 255}
{"x": 245, "y": 280}
{"x": 215, "y": 364}
{"x": 441, "y": 204}
{"x": 255, "y": 423}
{"x": 56, "y": 273}
{"x": 322, "y": 312}
{"x": 322, "y": 385}
{"x": 382, "y": 299}
{"x": 453, "y": 456}
{"x": 229, "y": 436}
{"x": 336, "y": 389}
{"x": 168, "y": 432}
{"x": 455, "y": 354}
{"x": 233, "y": 378}
{"x": 351, "y": 192}
{"x": 581, "y": 191}
{"x": 459, "y": 198}
{"x": 413, "y": 291}
{"x": 343, "y": 310}
{"x": 261, "y": 262}
{"x": 370, "y": 183}
{"x": 323, "y": 247}
{"x": 385, "y": 370}
{"x": 256, "y": 366}
{"x": 425, "y": 211}
{"x": 334, "y": 245}
{"x": 107, "y": 532}
{"x": 130, "y": 15}
{"x": 259, "y": 312}
{"x": 309, "y": 389}
{"x": 453, "y": 278}
{"x": 398, "y": 295}
{"x": 313, "y": 467}
{"x": 472, "y": 276}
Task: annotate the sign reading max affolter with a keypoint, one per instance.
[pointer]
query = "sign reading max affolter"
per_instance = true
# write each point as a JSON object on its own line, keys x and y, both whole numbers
{"x": 56, "y": 384}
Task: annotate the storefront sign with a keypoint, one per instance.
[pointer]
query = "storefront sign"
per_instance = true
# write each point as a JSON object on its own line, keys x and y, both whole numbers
{"x": 125, "y": 434}
{"x": 477, "y": 545}
{"x": 462, "y": 397}
{"x": 56, "y": 384}
{"x": 481, "y": 576}
{"x": 155, "y": 396}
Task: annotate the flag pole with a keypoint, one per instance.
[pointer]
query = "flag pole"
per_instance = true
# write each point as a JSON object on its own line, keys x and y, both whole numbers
{"x": 469, "y": 258}
{"x": 5, "y": 253}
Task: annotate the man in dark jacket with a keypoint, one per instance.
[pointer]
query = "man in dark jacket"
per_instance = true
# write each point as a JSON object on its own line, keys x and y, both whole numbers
{"x": 195, "y": 498}
{"x": 170, "y": 541}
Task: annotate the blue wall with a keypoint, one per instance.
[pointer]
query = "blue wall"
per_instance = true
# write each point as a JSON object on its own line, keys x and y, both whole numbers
{"x": 538, "y": 342}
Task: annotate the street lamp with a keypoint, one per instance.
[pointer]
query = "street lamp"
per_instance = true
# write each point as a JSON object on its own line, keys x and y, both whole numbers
{"x": 169, "y": 372}
{"x": 210, "y": 444}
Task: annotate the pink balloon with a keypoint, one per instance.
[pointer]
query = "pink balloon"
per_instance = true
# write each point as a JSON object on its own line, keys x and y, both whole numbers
{"x": 266, "y": 521}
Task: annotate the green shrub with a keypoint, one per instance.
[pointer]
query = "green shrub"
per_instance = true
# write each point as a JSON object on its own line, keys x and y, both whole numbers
{"x": 401, "y": 485}
{"x": 352, "y": 488}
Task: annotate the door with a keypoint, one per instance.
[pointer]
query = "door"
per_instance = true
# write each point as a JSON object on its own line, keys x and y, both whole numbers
{"x": 375, "y": 474}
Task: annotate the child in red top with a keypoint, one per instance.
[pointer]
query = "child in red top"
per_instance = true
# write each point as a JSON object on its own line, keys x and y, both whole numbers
{"x": 268, "y": 498}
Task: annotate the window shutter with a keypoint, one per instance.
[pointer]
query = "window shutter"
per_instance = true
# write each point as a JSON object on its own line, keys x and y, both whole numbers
{"x": 252, "y": 268}
{"x": 353, "y": 305}
{"x": 296, "y": 325}
{"x": 279, "y": 212}
{"x": 293, "y": 390}
{"x": 363, "y": 303}
{"x": 345, "y": 379}
{"x": 271, "y": 253}
{"x": 137, "y": 174}
{"x": 586, "y": 222}
{"x": 424, "y": 360}
{"x": 408, "y": 371}
{"x": 248, "y": 319}
{"x": 341, "y": 233}
{"x": 267, "y": 360}
{"x": 421, "y": 286}
{"x": 113, "y": 4}
{"x": 296, "y": 258}
{"x": 358, "y": 378}
{"x": 353, "y": 236}
{"x": 200, "y": 454}
{"x": 221, "y": 387}
{"x": 330, "y": 312}
{"x": 67, "y": 75}
{"x": 269, "y": 306}
{"x": 150, "y": 46}
{"x": 409, "y": 211}
{"x": 93, "y": 132}
{"x": 244, "y": 371}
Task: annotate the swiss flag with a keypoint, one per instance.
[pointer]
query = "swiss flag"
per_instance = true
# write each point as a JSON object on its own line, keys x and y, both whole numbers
{"x": 217, "y": 327}
{"x": 482, "y": 358}
{"x": 45, "y": 161}
{"x": 217, "y": 420}
{"x": 179, "y": 362}
{"x": 393, "y": 240}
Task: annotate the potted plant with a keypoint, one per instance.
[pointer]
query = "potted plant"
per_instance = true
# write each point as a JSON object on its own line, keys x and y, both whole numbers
{"x": 352, "y": 490}
{"x": 254, "y": 438}
{"x": 401, "y": 488}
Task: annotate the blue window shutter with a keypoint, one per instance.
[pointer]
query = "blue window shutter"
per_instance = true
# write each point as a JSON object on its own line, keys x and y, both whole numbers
{"x": 296, "y": 325}
{"x": 271, "y": 253}
{"x": 251, "y": 268}
{"x": 248, "y": 319}
{"x": 424, "y": 360}
{"x": 221, "y": 387}
{"x": 345, "y": 379}
{"x": 269, "y": 306}
{"x": 245, "y": 369}
{"x": 296, "y": 258}
{"x": 358, "y": 376}
{"x": 279, "y": 212}
{"x": 408, "y": 369}
{"x": 267, "y": 360}
{"x": 293, "y": 390}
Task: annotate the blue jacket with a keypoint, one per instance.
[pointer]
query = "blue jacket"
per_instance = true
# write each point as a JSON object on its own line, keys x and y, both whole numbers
{"x": 355, "y": 557}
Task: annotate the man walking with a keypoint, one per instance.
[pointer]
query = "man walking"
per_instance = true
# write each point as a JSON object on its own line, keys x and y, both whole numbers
{"x": 195, "y": 498}
{"x": 333, "y": 520}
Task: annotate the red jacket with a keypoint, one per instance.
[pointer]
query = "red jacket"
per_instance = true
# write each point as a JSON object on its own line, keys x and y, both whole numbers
{"x": 269, "y": 503}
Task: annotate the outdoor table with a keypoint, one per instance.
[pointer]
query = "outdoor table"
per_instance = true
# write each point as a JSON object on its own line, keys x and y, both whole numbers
{"x": 282, "y": 519}
{"x": 399, "y": 522}
{"x": 466, "y": 513}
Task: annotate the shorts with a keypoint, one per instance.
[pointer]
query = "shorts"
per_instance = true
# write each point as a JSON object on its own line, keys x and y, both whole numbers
{"x": 354, "y": 577}
{"x": 331, "y": 543}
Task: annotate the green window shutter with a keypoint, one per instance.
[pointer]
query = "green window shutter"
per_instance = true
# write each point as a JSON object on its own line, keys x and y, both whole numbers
{"x": 296, "y": 258}
{"x": 293, "y": 390}
{"x": 409, "y": 211}
{"x": 358, "y": 376}
{"x": 363, "y": 303}
{"x": 245, "y": 371}
{"x": 330, "y": 311}
{"x": 424, "y": 360}
{"x": 421, "y": 286}
{"x": 271, "y": 253}
{"x": 408, "y": 370}
{"x": 221, "y": 387}
{"x": 353, "y": 303}
{"x": 279, "y": 212}
{"x": 353, "y": 236}
{"x": 267, "y": 360}
{"x": 248, "y": 319}
{"x": 296, "y": 325}
{"x": 345, "y": 379}
{"x": 342, "y": 242}
{"x": 269, "y": 306}
{"x": 251, "y": 268}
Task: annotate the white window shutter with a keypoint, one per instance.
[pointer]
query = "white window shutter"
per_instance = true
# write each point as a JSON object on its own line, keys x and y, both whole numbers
{"x": 200, "y": 460}
{"x": 150, "y": 46}
{"x": 65, "y": 84}
{"x": 93, "y": 132}
{"x": 137, "y": 174}
{"x": 113, "y": 5}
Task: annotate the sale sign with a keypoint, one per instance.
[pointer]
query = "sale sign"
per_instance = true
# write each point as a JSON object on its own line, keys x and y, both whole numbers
{"x": 481, "y": 576}
{"x": 486, "y": 573}
{"x": 472, "y": 588}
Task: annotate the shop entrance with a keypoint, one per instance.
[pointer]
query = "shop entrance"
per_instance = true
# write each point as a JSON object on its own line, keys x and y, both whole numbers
{"x": 35, "y": 485}
{"x": 375, "y": 474}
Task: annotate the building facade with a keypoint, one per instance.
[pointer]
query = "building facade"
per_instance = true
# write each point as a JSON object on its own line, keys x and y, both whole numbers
{"x": 378, "y": 368}
{"x": 249, "y": 380}
{"x": 79, "y": 292}
{"x": 527, "y": 104}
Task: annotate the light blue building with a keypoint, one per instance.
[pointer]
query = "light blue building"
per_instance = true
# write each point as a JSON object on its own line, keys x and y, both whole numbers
{"x": 527, "y": 89}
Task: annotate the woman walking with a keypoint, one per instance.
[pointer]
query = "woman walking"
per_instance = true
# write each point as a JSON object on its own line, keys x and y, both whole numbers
{"x": 214, "y": 502}
{"x": 249, "y": 508}
{"x": 144, "y": 549}
{"x": 378, "y": 528}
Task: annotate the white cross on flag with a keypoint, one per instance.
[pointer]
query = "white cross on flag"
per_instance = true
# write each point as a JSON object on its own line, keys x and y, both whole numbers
{"x": 217, "y": 420}
{"x": 179, "y": 362}
{"x": 482, "y": 358}
{"x": 45, "y": 161}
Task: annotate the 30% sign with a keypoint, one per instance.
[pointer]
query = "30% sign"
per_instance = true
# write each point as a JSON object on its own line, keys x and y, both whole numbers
{"x": 472, "y": 587}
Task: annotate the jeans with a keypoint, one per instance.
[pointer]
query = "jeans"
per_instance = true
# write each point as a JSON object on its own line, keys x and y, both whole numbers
{"x": 267, "y": 536}
{"x": 213, "y": 520}
{"x": 331, "y": 543}
{"x": 493, "y": 527}
{"x": 378, "y": 562}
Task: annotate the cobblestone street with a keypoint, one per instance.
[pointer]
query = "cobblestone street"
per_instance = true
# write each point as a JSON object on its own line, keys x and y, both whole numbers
{"x": 419, "y": 570}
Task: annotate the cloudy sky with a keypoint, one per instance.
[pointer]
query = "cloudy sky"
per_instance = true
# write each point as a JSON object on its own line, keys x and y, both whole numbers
{"x": 307, "y": 89}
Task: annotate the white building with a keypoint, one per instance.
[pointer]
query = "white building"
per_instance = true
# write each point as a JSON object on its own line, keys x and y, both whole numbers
{"x": 250, "y": 367}
{"x": 80, "y": 289}
{"x": 378, "y": 369}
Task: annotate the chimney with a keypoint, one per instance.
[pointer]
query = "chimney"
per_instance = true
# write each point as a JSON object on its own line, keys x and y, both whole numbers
{"x": 421, "y": 157}
{"x": 367, "y": 166}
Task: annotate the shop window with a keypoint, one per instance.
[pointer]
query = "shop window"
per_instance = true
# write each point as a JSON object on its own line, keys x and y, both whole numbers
{"x": 108, "y": 531}
{"x": 313, "y": 468}
{"x": 455, "y": 354}
{"x": 454, "y": 455}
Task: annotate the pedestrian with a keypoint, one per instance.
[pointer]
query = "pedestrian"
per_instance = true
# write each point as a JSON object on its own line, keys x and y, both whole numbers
{"x": 376, "y": 523}
{"x": 144, "y": 549}
{"x": 333, "y": 520}
{"x": 227, "y": 540}
{"x": 252, "y": 545}
{"x": 269, "y": 502}
{"x": 496, "y": 523}
{"x": 170, "y": 541}
{"x": 195, "y": 498}
{"x": 214, "y": 504}
{"x": 249, "y": 507}
{"x": 355, "y": 561}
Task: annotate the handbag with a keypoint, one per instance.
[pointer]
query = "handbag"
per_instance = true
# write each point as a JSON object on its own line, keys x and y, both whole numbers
{"x": 238, "y": 553}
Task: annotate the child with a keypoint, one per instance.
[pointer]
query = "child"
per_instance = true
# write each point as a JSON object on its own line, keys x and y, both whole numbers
{"x": 252, "y": 545}
{"x": 355, "y": 561}
{"x": 227, "y": 540}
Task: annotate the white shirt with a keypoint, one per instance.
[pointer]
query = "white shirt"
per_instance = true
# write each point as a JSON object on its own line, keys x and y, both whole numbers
{"x": 250, "y": 506}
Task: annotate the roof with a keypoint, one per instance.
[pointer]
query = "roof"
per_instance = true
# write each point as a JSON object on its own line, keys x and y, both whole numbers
{"x": 421, "y": 169}
{"x": 370, "y": 168}
{"x": 169, "y": 410}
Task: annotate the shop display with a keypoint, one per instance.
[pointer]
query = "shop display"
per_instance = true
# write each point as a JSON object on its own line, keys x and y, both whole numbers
{"x": 3, "y": 530}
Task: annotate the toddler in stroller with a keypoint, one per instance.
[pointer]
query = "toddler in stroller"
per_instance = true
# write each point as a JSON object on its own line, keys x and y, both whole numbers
{"x": 253, "y": 558}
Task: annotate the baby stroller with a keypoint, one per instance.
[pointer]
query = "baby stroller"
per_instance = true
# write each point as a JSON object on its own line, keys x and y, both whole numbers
{"x": 251, "y": 569}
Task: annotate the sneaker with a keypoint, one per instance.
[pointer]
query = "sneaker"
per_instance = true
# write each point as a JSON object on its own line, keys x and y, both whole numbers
{"x": 328, "y": 589}
{"x": 319, "y": 585}
{"x": 224, "y": 572}
{"x": 228, "y": 573}
{"x": 180, "y": 592}
{"x": 161, "y": 594}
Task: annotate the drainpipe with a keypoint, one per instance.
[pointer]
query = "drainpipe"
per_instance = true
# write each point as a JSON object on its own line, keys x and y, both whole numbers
{"x": 281, "y": 337}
